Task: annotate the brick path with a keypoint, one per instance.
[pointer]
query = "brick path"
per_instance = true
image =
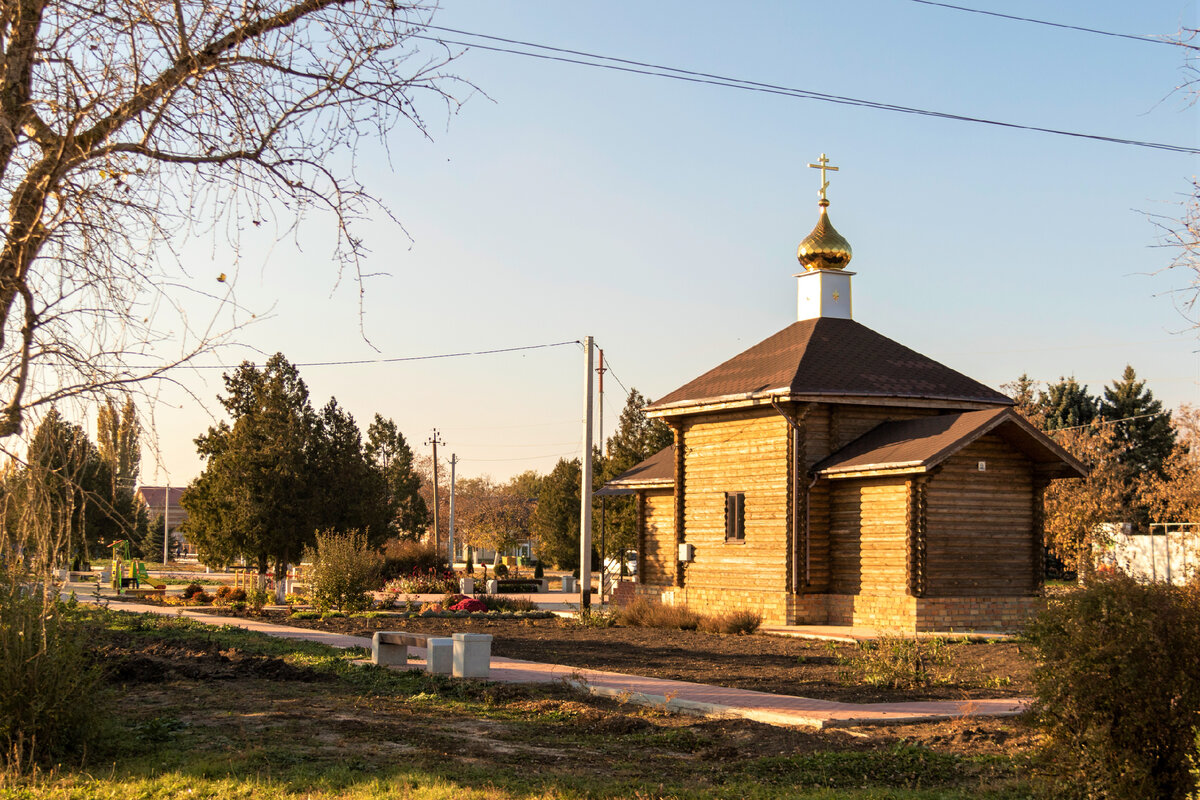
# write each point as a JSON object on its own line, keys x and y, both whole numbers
{"x": 695, "y": 698}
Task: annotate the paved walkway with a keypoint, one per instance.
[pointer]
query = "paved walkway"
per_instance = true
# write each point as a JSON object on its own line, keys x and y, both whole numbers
{"x": 680, "y": 696}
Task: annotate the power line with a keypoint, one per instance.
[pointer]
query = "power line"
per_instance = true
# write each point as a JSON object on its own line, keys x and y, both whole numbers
{"x": 1133, "y": 36}
{"x": 692, "y": 76}
{"x": 1110, "y": 422}
{"x": 401, "y": 359}
{"x": 519, "y": 458}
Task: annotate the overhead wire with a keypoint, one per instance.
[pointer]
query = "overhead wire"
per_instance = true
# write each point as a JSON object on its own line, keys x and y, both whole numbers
{"x": 1101, "y": 423}
{"x": 400, "y": 359}
{"x": 711, "y": 79}
{"x": 1135, "y": 37}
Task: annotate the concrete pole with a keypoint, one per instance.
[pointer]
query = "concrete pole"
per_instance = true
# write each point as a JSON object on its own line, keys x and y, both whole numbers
{"x": 166, "y": 521}
{"x": 585, "y": 490}
{"x": 453, "y": 463}
{"x": 600, "y": 438}
{"x": 437, "y": 540}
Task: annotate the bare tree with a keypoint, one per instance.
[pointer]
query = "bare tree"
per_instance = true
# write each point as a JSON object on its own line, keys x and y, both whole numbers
{"x": 126, "y": 126}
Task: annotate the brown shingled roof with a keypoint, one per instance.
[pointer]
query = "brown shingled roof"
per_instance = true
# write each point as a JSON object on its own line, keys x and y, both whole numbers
{"x": 833, "y": 357}
{"x": 657, "y": 471}
{"x": 916, "y": 445}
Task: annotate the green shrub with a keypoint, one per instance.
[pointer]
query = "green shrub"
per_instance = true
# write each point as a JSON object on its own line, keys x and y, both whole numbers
{"x": 191, "y": 590}
{"x": 500, "y": 570}
{"x": 1118, "y": 690}
{"x": 899, "y": 662}
{"x": 344, "y": 571}
{"x": 305, "y": 615}
{"x": 496, "y": 602}
{"x": 256, "y": 598}
{"x": 403, "y": 557}
{"x": 539, "y": 571}
{"x": 738, "y": 622}
{"x": 48, "y": 698}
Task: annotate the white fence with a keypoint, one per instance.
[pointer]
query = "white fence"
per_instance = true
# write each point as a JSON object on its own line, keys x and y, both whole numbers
{"x": 1170, "y": 552}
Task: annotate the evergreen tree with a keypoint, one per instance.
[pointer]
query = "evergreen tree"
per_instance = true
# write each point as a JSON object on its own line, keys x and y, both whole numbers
{"x": 1145, "y": 438}
{"x": 555, "y": 521}
{"x": 347, "y": 489}
{"x": 255, "y": 496}
{"x": 281, "y": 471}
{"x": 1066, "y": 404}
{"x": 637, "y": 438}
{"x": 388, "y": 450}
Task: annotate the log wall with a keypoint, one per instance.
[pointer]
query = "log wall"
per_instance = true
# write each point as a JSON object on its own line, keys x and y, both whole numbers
{"x": 868, "y": 536}
{"x": 980, "y": 525}
{"x": 658, "y": 553}
{"x": 736, "y": 452}
{"x": 829, "y": 428}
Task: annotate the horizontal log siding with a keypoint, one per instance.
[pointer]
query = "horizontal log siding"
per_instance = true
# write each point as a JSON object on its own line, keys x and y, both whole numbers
{"x": 868, "y": 536}
{"x": 980, "y": 524}
{"x": 736, "y": 452}
{"x": 829, "y": 428}
{"x": 658, "y": 563}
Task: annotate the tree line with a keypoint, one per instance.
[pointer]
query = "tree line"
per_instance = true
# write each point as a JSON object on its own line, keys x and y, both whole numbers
{"x": 76, "y": 495}
{"x": 279, "y": 470}
{"x": 1144, "y": 461}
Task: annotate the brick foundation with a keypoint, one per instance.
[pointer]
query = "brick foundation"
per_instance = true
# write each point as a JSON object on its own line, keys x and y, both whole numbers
{"x": 885, "y": 612}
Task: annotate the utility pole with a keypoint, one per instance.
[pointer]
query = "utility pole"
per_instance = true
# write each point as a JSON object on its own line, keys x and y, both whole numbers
{"x": 603, "y": 562}
{"x": 585, "y": 491}
{"x": 453, "y": 463}
{"x": 166, "y": 520}
{"x": 435, "y": 441}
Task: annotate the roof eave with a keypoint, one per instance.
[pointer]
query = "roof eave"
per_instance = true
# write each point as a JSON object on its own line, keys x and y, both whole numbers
{"x": 764, "y": 397}
{"x": 875, "y": 470}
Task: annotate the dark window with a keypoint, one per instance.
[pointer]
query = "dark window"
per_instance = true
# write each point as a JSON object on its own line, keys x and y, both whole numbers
{"x": 735, "y": 516}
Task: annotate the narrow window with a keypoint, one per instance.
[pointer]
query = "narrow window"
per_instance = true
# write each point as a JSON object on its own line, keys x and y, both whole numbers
{"x": 735, "y": 516}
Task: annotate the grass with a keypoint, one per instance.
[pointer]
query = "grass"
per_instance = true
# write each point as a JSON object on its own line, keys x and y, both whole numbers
{"x": 646, "y": 613}
{"x": 338, "y": 730}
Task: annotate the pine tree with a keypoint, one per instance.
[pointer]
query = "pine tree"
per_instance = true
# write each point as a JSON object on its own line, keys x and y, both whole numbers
{"x": 1066, "y": 404}
{"x": 1145, "y": 438}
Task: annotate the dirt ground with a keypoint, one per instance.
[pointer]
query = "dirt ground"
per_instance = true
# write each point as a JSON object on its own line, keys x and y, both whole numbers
{"x": 781, "y": 665}
{"x": 199, "y": 685}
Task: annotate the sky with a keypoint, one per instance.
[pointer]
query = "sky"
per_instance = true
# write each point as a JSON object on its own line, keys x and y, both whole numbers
{"x": 662, "y": 217}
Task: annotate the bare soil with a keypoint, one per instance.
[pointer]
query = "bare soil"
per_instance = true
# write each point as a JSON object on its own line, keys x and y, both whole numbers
{"x": 220, "y": 698}
{"x": 776, "y": 664}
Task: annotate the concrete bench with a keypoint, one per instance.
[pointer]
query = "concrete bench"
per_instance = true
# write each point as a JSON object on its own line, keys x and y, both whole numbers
{"x": 465, "y": 655}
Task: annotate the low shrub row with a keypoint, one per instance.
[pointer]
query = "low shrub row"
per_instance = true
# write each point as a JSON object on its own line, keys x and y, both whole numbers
{"x": 646, "y": 613}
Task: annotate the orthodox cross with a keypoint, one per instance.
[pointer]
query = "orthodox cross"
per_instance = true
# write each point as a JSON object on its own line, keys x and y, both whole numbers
{"x": 823, "y": 165}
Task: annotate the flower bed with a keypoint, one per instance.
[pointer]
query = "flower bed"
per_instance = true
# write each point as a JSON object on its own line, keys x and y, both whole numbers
{"x": 419, "y": 581}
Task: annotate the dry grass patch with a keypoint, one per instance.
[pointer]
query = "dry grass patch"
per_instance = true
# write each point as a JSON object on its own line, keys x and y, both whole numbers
{"x": 645, "y": 613}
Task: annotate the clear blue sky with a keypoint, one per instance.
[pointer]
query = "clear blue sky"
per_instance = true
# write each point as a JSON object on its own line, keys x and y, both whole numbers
{"x": 662, "y": 217}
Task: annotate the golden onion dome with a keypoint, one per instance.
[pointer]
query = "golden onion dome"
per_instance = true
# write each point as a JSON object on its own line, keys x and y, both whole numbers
{"x": 824, "y": 248}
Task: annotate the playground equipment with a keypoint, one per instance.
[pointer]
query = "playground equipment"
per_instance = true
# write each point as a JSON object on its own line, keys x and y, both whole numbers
{"x": 122, "y": 557}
